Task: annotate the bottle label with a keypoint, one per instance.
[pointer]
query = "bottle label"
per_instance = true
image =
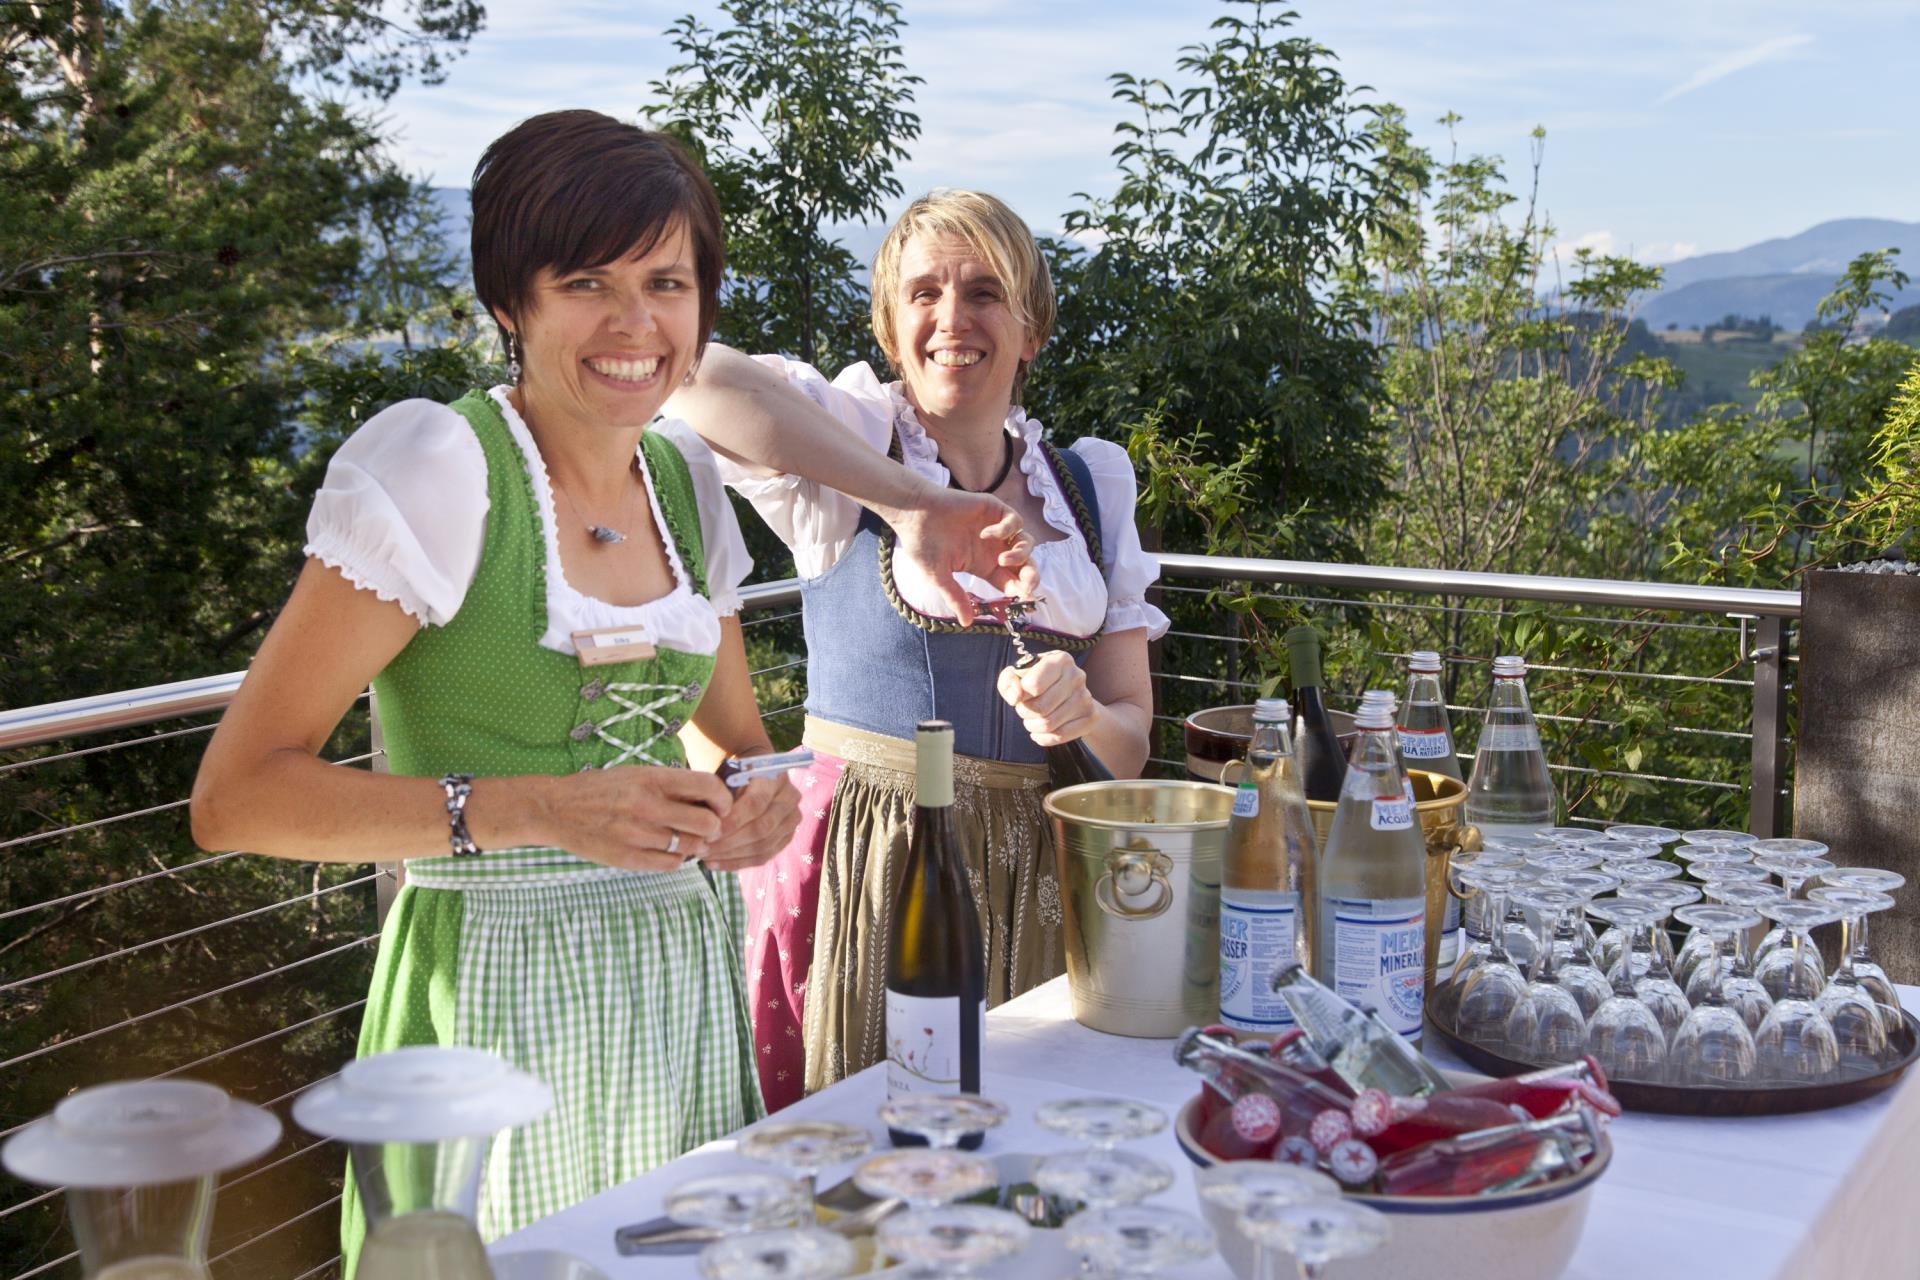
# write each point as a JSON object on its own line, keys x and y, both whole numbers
{"x": 1246, "y": 801}
{"x": 1393, "y": 813}
{"x": 1257, "y": 932}
{"x": 1380, "y": 956}
{"x": 923, "y": 1043}
{"x": 1426, "y": 744}
{"x": 1510, "y": 737}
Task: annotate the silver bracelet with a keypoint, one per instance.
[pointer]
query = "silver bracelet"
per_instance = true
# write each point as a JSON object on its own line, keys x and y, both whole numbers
{"x": 458, "y": 787}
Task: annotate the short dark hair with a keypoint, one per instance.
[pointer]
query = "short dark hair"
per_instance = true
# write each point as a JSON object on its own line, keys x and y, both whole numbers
{"x": 569, "y": 190}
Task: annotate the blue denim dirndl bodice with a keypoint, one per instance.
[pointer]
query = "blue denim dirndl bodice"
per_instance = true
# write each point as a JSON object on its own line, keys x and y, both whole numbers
{"x": 871, "y": 668}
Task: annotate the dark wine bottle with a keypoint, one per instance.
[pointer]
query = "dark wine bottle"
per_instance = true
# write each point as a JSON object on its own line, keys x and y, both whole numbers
{"x": 1323, "y": 765}
{"x": 1072, "y": 763}
{"x": 936, "y": 955}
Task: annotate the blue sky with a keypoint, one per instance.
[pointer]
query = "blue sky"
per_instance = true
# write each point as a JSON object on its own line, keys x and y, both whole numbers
{"x": 1673, "y": 128}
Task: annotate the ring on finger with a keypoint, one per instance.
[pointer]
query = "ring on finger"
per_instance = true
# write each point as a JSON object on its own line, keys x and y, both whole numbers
{"x": 673, "y": 843}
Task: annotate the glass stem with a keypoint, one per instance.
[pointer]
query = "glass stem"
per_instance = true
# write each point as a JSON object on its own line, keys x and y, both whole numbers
{"x": 1497, "y": 934}
{"x": 1713, "y": 996}
{"x": 1312, "y": 1270}
{"x": 1796, "y": 985}
{"x": 1262, "y": 1262}
{"x": 1857, "y": 948}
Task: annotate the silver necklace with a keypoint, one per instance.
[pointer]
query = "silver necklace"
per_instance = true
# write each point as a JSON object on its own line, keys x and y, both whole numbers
{"x": 607, "y": 535}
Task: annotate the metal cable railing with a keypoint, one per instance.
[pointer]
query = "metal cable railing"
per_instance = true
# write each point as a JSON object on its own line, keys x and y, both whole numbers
{"x": 299, "y": 1192}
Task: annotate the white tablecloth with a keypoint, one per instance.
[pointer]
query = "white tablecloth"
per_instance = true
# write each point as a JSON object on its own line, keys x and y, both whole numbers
{"x": 1828, "y": 1195}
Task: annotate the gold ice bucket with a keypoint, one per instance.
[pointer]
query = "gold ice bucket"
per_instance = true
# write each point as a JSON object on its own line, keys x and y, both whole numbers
{"x": 1139, "y": 873}
{"x": 1440, "y": 802}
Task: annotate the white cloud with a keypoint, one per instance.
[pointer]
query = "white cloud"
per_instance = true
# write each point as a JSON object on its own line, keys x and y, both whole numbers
{"x": 1752, "y": 56}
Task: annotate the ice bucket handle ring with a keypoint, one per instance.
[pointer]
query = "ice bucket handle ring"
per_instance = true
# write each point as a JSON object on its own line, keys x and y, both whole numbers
{"x": 1134, "y": 870}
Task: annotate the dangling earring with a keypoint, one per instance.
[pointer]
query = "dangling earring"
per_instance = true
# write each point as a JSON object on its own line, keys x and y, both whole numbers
{"x": 515, "y": 349}
{"x": 686, "y": 379}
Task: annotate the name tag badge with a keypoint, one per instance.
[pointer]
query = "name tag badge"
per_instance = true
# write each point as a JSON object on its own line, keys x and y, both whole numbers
{"x": 612, "y": 644}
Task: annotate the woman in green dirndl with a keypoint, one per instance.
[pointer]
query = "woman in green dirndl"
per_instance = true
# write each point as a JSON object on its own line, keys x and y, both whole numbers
{"x": 541, "y": 581}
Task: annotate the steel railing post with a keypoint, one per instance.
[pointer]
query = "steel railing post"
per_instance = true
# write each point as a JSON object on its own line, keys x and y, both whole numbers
{"x": 1769, "y": 726}
{"x": 388, "y": 885}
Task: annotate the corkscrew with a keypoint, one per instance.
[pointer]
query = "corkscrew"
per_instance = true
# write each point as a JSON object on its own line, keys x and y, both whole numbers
{"x": 1007, "y": 611}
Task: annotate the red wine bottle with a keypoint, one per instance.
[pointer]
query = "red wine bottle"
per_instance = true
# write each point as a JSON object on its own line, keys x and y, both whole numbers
{"x": 1072, "y": 763}
{"x": 936, "y": 996}
{"x": 1323, "y": 765}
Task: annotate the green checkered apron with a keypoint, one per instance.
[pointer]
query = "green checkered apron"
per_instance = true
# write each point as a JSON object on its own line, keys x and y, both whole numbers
{"x": 622, "y": 990}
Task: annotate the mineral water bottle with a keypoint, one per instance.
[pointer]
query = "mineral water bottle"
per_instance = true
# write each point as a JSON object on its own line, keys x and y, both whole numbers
{"x": 1510, "y": 793}
{"x": 1359, "y": 1047}
{"x": 1372, "y": 935}
{"x": 1266, "y": 890}
{"x": 1426, "y": 742}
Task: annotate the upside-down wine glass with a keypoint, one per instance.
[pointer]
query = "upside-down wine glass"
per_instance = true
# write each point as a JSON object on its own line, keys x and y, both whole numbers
{"x": 1646, "y": 969}
{"x": 1571, "y": 837}
{"x": 1714, "y": 1046}
{"x": 1865, "y": 968}
{"x": 1849, "y": 1007}
{"x": 1238, "y": 1185}
{"x": 1137, "y": 1240}
{"x": 1547, "y": 1025}
{"x": 938, "y": 1173}
{"x": 1098, "y": 1175}
{"x": 1738, "y": 987}
{"x": 736, "y": 1203}
{"x": 794, "y": 1253}
{"x": 1632, "y": 875}
{"x": 942, "y": 1118}
{"x": 1317, "y": 1232}
{"x": 1655, "y": 836}
{"x": 954, "y": 1239}
{"x": 1623, "y": 1035}
{"x": 1796, "y": 1041}
{"x": 1795, "y": 871}
{"x": 1718, "y": 835}
{"x": 1473, "y": 919}
{"x": 1698, "y": 946}
{"x": 803, "y": 1148}
{"x": 1494, "y": 986}
{"x": 1669, "y": 894}
{"x": 1573, "y": 941}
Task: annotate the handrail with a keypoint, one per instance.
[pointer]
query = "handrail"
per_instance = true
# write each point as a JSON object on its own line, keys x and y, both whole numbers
{"x": 1509, "y": 586}
{"x": 56, "y": 721}
{"x": 102, "y": 713}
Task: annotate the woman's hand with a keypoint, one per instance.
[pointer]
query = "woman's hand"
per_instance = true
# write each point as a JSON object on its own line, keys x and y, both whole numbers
{"x": 764, "y": 815}
{"x": 949, "y": 531}
{"x": 628, "y": 815}
{"x": 1051, "y": 697}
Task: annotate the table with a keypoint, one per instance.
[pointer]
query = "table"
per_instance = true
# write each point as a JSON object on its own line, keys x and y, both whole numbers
{"x": 1828, "y": 1195}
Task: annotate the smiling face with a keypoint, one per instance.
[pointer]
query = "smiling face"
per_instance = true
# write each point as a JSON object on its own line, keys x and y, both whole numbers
{"x": 604, "y": 346}
{"x": 957, "y": 341}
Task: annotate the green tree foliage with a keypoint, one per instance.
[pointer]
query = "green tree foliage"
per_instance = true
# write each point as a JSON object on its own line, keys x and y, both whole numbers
{"x": 1210, "y": 296}
{"x": 800, "y": 110}
{"x": 208, "y": 273}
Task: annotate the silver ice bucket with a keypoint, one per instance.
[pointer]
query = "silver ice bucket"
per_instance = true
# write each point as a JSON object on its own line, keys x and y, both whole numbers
{"x": 1139, "y": 862}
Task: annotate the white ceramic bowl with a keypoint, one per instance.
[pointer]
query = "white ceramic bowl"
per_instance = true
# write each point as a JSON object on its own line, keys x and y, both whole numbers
{"x": 1522, "y": 1235}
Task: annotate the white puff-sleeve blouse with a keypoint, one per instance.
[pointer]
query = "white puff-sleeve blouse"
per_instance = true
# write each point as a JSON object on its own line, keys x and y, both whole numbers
{"x": 1078, "y": 597}
{"x": 403, "y": 513}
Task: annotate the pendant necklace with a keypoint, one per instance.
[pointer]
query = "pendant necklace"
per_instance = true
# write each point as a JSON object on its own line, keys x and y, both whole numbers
{"x": 606, "y": 535}
{"x": 1000, "y": 478}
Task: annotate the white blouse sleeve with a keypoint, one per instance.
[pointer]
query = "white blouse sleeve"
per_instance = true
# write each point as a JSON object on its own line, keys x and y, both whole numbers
{"x": 1129, "y": 570}
{"x": 403, "y": 510}
{"x": 728, "y": 563}
{"x": 815, "y": 522}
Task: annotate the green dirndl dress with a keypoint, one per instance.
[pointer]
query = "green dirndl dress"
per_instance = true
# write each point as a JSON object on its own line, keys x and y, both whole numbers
{"x": 622, "y": 990}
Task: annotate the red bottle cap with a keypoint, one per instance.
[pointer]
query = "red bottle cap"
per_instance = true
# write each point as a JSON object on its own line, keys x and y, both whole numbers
{"x": 1329, "y": 1129}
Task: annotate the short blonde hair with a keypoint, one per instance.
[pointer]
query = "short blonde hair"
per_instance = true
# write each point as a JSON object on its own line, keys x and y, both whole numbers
{"x": 997, "y": 235}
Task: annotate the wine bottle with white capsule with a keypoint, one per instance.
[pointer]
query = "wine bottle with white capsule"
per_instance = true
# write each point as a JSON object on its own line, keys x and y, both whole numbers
{"x": 1372, "y": 935}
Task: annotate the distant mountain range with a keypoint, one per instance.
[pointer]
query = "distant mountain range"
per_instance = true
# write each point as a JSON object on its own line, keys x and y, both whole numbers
{"x": 1784, "y": 279}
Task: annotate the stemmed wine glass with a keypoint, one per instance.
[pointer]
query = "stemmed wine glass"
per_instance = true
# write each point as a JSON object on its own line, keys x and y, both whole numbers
{"x": 1137, "y": 1240}
{"x": 1616, "y": 850}
{"x": 1492, "y": 987}
{"x": 1473, "y": 917}
{"x": 1716, "y": 835}
{"x": 1317, "y": 1232}
{"x": 1238, "y": 1185}
{"x": 804, "y": 1147}
{"x": 1714, "y": 1045}
{"x": 1646, "y": 969}
{"x": 1796, "y": 1041}
{"x": 942, "y": 1118}
{"x": 1623, "y": 1035}
{"x": 1547, "y": 1025}
{"x": 803, "y": 1253}
{"x": 1573, "y": 940}
{"x": 736, "y": 1203}
{"x": 1788, "y": 846}
{"x": 1849, "y": 1007}
{"x": 957, "y": 1238}
{"x": 1097, "y": 1175}
{"x": 1738, "y": 987}
{"x": 1866, "y": 970}
{"x": 1794, "y": 870}
{"x": 1632, "y": 875}
{"x": 1655, "y": 836}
